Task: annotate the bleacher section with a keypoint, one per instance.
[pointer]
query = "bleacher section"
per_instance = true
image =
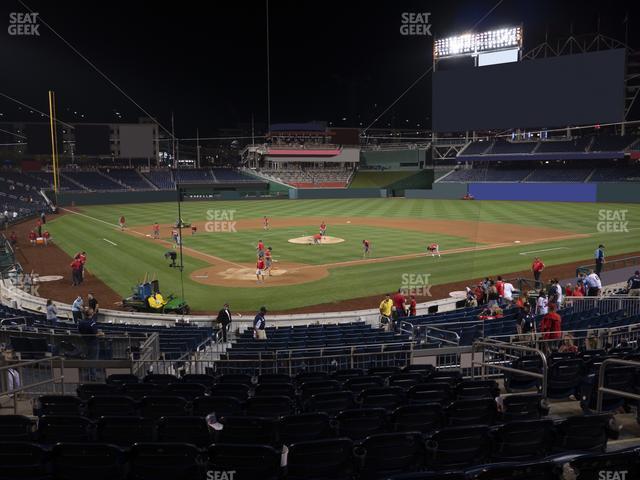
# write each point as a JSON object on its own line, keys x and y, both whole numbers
{"x": 128, "y": 177}
{"x": 90, "y": 180}
{"x": 186, "y": 175}
{"x": 559, "y": 174}
{"x": 310, "y": 177}
{"x": 480, "y": 174}
{"x": 163, "y": 179}
{"x": 617, "y": 174}
{"x": 230, "y": 175}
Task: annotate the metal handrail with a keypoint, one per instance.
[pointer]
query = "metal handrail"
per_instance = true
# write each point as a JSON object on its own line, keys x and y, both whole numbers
{"x": 455, "y": 342}
{"x": 493, "y": 343}
{"x": 612, "y": 391}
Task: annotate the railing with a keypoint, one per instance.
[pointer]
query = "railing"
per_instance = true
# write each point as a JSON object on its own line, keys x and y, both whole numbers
{"x": 610, "y": 265}
{"x": 604, "y": 304}
{"x": 110, "y": 347}
{"x": 500, "y": 354}
{"x": 612, "y": 391}
{"x": 34, "y": 377}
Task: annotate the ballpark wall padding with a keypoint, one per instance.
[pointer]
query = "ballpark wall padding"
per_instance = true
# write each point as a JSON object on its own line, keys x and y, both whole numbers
{"x": 535, "y": 192}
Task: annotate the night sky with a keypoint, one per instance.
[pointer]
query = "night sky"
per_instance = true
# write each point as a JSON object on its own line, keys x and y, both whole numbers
{"x": 339, "y": 61}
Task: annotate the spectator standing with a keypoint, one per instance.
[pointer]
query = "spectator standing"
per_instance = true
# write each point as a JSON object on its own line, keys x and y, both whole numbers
{"x": 578, "y": 290}
{"x": 537, "y": 267}
{"x": 52, "y": 313}
{"x": 551, "y": 326}
{"x": 93, "y": 303}
{"x": 224, "y": 319}
{"x": 492, "y": 295}
{"x": 398, "y": 302}
{"x": 599, "y": 256}
{"x": 593, "y": 284}
{"x": 259, "y": 325}
{"x": 542, "y": 304}
{"x": 507, "y": 292}
{"x": 500, "y": 286}
{"x": 412, "y": 306}
{"x": 385, "y": 311}
{"x": 76, "y": 272}
{"x": 88, "y": 328}
{"x": 76, "y": 309}
{"x": 634, "y": 284}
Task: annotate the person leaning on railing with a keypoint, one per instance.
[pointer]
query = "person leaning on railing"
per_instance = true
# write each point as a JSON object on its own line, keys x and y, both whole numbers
{"x": 634, "y": 284}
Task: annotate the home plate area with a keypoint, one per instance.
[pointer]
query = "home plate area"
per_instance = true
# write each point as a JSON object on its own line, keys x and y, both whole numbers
{"x": 308, "y": 240}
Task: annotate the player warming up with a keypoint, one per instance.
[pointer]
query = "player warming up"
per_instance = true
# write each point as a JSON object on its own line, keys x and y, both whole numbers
{"x": 366, "y": 248}
{"x": 268, "y": 260}
{"x": 323, "y": 229}
{"x": 265, "y": 222}
{"x": 260, "y": 269}
{"x": 433, "y": 249}
{"x": 122, "y": 222}
{"x": 156, "y": 231}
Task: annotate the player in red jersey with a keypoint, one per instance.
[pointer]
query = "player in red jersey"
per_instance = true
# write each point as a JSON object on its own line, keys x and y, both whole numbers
{"x": 433, "y": 249}
{"x": 260, "y": 269}
{"x": 122, "y": 222}
{"x": 366, "y": 248}
{"x": 265, "y": 222}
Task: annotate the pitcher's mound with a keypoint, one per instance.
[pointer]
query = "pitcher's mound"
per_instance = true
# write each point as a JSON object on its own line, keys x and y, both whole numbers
{"x": 308, "y": 240}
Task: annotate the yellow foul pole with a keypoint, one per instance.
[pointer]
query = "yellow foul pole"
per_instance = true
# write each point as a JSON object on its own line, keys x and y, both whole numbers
{"x": 54, "y": 140}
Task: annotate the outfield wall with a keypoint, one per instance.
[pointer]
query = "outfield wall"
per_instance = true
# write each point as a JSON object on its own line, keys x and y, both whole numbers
{"x": 451, "y": 191}
{"x": 535, "y": 192}
{"x": 315, "y": 193}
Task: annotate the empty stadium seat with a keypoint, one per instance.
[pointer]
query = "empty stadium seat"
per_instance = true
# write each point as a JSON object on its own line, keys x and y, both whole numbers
{"x": 241, "y": 392}
{"x": 202, "y": 379}
{"x": 122, "y": 378}
{"x": 321, "y": 459}
{"x": 564, "y": 377}
{"x": 160, "y": 378}
{"x": 247, "y": 461}
{"x": 24, "y": 461}
{"x": 164, "y": 461}
{"x": 422, "y": 418}
{"x": 273, "y": 388}
{"x": 304, "y": 427}
{"x": 535, "y": 470}
{"x": 106, "y": 405}
{"x": 588, "y": 433}
{"x": 16, "y": 428}
{"x": 458, "y": 447}
{"x": 472, "y": 412}
{"x": 270, "y": 406}
{"x": 220, "y": 405}
{"x": 595, "y": 466}
{"x": 189, "y": 391}
{"x": 64, "y": 428}
{"x": 360, "y": 423}
{"x": 156, "y": 406}
{"x": 124, "y": 431}
{"x": 88, "y": 390}
{"x": 383, "y": 397}
{"x": 522, "y": 407}
{"x": 472, "y": 389}
{"x": 433, "y": 392}
{"x": 522, "y": 440}
{"x": 329, "y": 402}
{"x": 246, "y": 430}
{"x": 192, "y": 430}
{"x": 388, "y": 453}
{"x": 96, "y": 461}
{"x": 58, "y": 405}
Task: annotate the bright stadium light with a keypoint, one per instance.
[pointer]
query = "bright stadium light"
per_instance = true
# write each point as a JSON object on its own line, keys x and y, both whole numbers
{"x": 474, "y": 43}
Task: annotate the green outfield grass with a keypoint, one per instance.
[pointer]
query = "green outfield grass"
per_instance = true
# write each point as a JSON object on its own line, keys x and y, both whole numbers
{"x": 123, "y": 264}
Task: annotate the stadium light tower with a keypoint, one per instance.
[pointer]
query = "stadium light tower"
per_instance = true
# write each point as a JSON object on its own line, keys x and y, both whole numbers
{"x": 487, "y": 48}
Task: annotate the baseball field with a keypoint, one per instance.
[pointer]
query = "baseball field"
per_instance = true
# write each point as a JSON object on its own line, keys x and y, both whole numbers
{"x": 476, "y": 238}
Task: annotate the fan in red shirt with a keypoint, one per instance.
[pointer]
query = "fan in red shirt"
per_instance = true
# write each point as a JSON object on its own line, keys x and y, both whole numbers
{"x": 578, "y": 291}
{"x": 398, "y": 302}
{"x": 500, "y": 286}
{"x": 551, "y": 325}
{"x": 537, "y": 267}
{"x": 76, "y": 271}
{"x": 412, "y": 306}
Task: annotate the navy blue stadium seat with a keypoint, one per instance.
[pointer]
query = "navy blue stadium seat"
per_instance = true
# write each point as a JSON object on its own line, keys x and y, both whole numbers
{"x": 526, "y": 406}
{"x": 270, "y": 406}
{"x": 139, "y": 390}
{"x": 246, "y": 430}
{"x": 59, "y": 405}
{"x": 241, "y": 392}
{"x": 124, "y": 431}
{"x": 596, "y": 466}
{"x": 106, "y": 405}
{"x": 184, "y": 430}
{"x": 564, "y": 377}
{"x": 235, "y": 378}
{"x": 384, "y": 372}
{"x": 16, "y": 428}
{"x": 472, "y": 412}
{"x": 455, "y": 448}
{"x": 304, "y": 427}
{"x": 202, "y": 379}
{"x": 534, "y": 470}
{"x": 588, "y": 433}
{"x": 220, "y": 405}
{"x": 473, "y": 389}
{"x": 247, "y": 461}
{"x": 309, "y": 388}
{"x": 388, "y": 398}
{"x": 329, "y": 402}
{"x": 272, "y": 388}
{"x": 422, "y": 418}
{"x": 164, "y": 461}
{"x": 273, "y": 378}
{"x": 358, "y": 384}
{"x": 24, "y": 461}
{"x": 389, "y": 453}
{"x": 303, "y": 377}
{"x": 347, "y": 373}
{"x": 156, "y": 406}
{"x": 321, "y": 460}
{"x": 97, "y": 461}
{"x": 430, "y": 393}
{"x": 188, "y": 391}
{"x": 405, "y": 380}
{"x": 360, "y": 423}
{"x": 516, "y": 382}
{"x": 522, "y": 440}
{"x": 64, "y": 428}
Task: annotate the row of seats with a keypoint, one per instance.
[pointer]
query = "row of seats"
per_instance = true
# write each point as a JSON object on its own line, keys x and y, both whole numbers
{"x": 375, "y": 457}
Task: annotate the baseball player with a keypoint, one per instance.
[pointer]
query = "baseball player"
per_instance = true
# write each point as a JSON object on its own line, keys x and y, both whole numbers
{"x": 122, "y": 222}
{"x": 260, "y": 249}
{"x": 366, "y": 248}
{"x": 433, "y": 249}
{"x": 268, "y": 259}
{"x": 156, "y": 231}
{"x": 323, "y": 228}
{"x": 265, "y": 222}
{"x": 260, "y": 269}
{"x": 317, "y": 238}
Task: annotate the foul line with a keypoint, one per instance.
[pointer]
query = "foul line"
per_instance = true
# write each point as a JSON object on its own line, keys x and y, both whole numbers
{"x": 109, "y": 241}
{"x": 543, "y": 250}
